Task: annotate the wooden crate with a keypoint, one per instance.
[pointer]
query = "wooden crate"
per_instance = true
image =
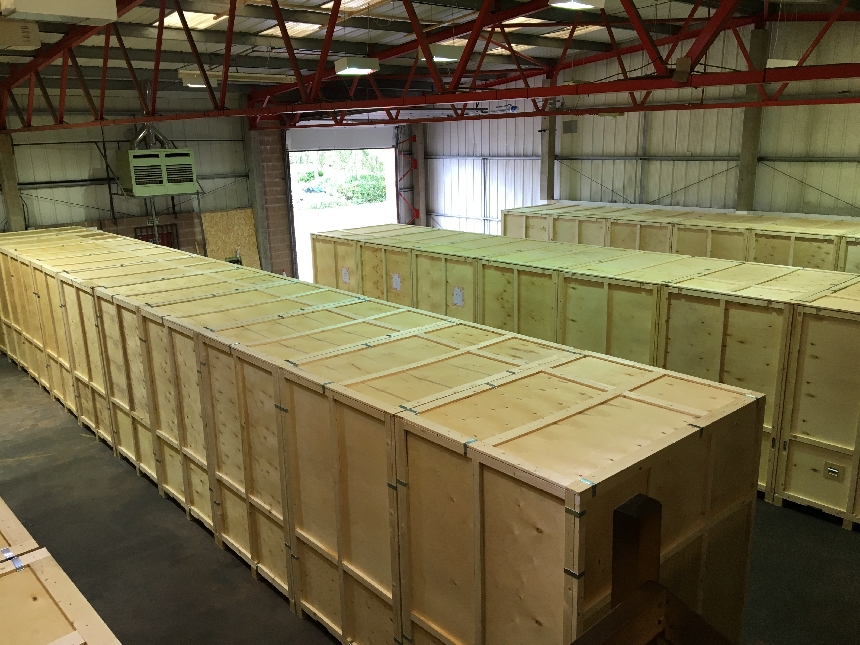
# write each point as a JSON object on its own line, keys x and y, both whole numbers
{"x": 44, "y": 607}
{"x": 15, "y": 540}
{"x": 820, "y": 446}
{"x": 770, "y": 238}
{"x": 718, "y": 319}
{"x": 311, "y": 405}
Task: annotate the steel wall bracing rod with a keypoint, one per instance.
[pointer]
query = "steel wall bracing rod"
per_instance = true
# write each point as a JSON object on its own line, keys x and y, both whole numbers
{"x": 73, "y": 38}
{"x": 471, "y": 42}
{"x": 523, "y": 9}
{"x": 423, "y": 44}
{"x": 645, "y": 37}
{"x": 195, "y": 53}
{"x": 329, "y": 35}
{"x": 82, "y": 81}
{"x": 288, "y": 44}
{"x": 228, "y": 49}
{"x": 159, "y": 39}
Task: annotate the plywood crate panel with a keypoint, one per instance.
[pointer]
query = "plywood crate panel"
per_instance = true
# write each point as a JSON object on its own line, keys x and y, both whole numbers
{"x": 719, "y": 319}
{"x": 809, "y": 242}
{"x": 15, "y": 540}
{"x": 45, "y": 607}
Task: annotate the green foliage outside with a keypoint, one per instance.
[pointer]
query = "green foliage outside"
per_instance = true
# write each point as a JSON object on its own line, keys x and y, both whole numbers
{"x": 331, "y": 178}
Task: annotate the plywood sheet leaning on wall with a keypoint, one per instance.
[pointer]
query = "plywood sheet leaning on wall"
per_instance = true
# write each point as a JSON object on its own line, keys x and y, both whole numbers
{"x": 230, "y": 232}
{"x": 771, "y": 238}
{"x": 314, "y": 430}
{"x": 723, "y": 320}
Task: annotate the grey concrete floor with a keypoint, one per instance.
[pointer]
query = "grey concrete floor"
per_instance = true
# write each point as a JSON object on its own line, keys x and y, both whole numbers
{"x": 155, "y": 577}
{"x": 152, "y": 575}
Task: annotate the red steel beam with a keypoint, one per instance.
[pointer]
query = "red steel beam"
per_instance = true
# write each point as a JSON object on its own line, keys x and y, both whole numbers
{"x": 291, "y": 53}
{"x": 329, "y": 34}
{"x": 31, "y": 98}
{"x": 703, "y": 80}
{"x": 159, "y": 39}
{"x": 228, "y": 50}
{"x": 676, "y": 39}
{"x": 614, "y": 44}
{"x": 105, "y": 59}
{"x": 64, "y": 86}
{"x": 471, "y": 42}
{"x": 421, "y": 39}
{"x": 481, "y": 59}
{"x": 137, "y": 86}
{"x": 75, "y": 37}
{"x": 716, "y": 24}
{"x": 195, "y": 53}
{"x": 645, "y": 37}
{"x": 814, "y": 44}
{"x": 82, "y": 81}
{"x": 47, "y": 97}
{"x": 523, "y": 9}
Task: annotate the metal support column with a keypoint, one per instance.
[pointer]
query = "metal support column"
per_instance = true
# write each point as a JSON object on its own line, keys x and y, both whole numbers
{"x": 11, "y": 194}
{"x": 751, "y": 138}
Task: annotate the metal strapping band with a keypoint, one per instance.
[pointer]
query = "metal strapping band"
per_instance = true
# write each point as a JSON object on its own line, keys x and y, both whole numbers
{"x": 402, "y": 483}
{"x": 576, "y": 514}
{"x": 576, "y": 576}
{"x": 281, "y": 408}
{"x": 286, "y": 360}
{"x": 324, "y": 384}
{"x": 590, "y": 483}
{"x": 466, "y": 445}
{"x": 7, "y": 553}
{"x": 391, "y": 486}
{"x": 294, "y": 556}
{"x": 491, "y": 385}
{"x": 408, "y": 409}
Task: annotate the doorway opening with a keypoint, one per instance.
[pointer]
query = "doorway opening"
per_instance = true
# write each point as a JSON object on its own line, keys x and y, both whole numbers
{"x": 337, "y": 189}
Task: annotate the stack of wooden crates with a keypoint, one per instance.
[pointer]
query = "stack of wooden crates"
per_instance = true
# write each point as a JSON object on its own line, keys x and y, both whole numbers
{"x": 398, "y": 474}
{"x": 789, "y": 332}
{"x": 770, "y": 238}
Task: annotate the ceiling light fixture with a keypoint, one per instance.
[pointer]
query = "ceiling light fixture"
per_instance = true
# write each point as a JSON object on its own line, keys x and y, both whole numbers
{"x": 195, "y": 20}
{"x": 445, "y": 53}
{"x": 356, "y": 66}
{"x": 573, "y": 4}
{"x": 193, "y": 78}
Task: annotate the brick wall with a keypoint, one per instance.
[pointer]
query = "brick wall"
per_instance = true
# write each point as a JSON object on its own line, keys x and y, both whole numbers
{"x": 273, "y": 175}
{"x": 189, "y": 228}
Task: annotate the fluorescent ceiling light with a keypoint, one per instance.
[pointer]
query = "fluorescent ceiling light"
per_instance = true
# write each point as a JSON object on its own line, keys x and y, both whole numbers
{"x": 195, "y": 20}
{"x": 193, "y": 78}
{"x": 294, "y": 29}
{"x": 356, "y": 66}
{"x": 445, "y": 53}
{"x": 781, "y": 62}
{"x": 573, "y": 4}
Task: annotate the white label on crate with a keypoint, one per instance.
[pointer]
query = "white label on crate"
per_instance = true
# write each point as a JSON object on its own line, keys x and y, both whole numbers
{"x": 395, "y": 281}
{"x": 344, "y": 275}
{"x": 458, "y": 296}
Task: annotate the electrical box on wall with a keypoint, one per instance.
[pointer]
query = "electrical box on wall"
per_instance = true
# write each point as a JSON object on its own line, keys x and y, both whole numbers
{"x": 88, "y": 12}
{"x": 19, "y": 34}
{"x": 152, "y": 173}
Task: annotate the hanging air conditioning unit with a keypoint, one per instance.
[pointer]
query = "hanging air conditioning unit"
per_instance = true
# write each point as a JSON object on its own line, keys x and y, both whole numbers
{"x": 152, "y": 173}
{"x": 87, "y": 12}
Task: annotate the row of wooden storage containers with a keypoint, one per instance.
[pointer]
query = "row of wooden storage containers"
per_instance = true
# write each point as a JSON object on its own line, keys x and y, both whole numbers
{"x": 41, "y": 606}
{"x": 399, "y": 475}
{"x": 791, "y": 333}
{"x": 813, "y": 243}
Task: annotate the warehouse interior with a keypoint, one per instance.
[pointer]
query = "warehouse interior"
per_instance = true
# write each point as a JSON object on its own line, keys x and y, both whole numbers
{"x": 451, "y": 322}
